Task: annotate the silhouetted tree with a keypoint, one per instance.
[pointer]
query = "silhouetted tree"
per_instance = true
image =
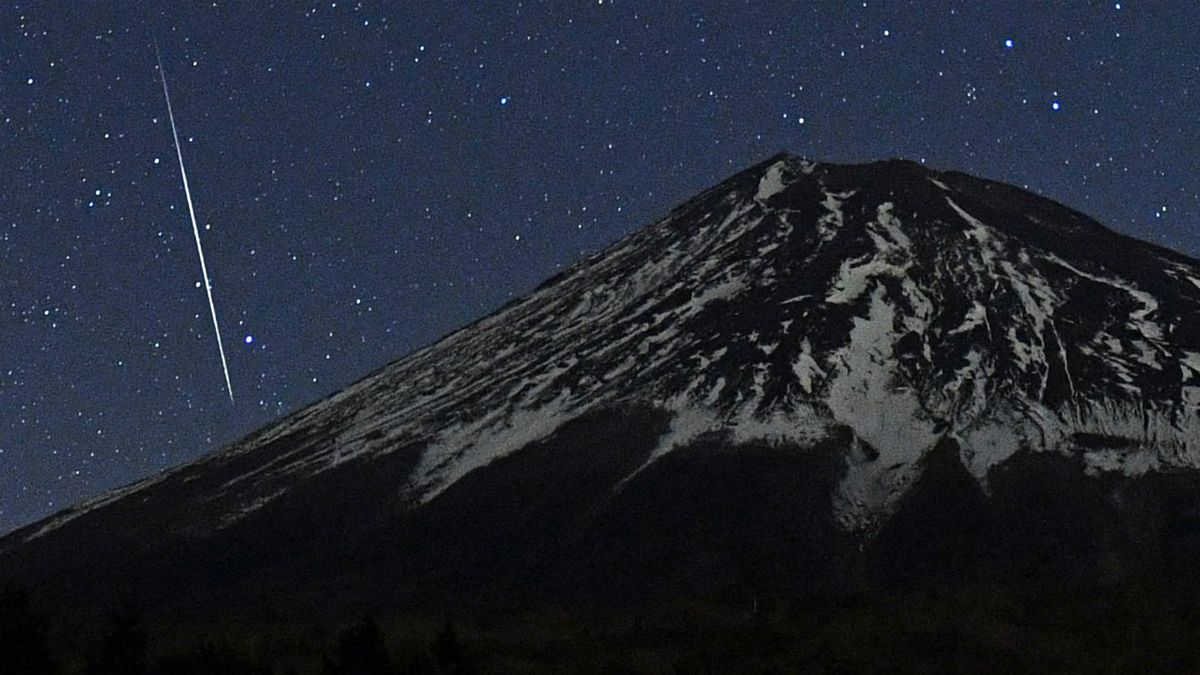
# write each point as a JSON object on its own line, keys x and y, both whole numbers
{"x": 122, "y": 651}
{"x": 24, "y": 645}
{"x": 208, "y": 660}
{"x": 361, "y": 651}
{"x": 418, "y": 663}
{"x": 449, "y": 651}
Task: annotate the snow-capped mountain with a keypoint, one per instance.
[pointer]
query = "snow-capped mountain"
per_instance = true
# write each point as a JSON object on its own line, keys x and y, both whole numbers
{"x": 887, "y": 318}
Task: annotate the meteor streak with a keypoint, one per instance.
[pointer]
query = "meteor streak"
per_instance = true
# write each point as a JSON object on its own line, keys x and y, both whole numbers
{"x": 162, "y": 73}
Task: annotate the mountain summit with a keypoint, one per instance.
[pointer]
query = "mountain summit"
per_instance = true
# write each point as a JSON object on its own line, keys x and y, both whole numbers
{"x": 811, "y": 375}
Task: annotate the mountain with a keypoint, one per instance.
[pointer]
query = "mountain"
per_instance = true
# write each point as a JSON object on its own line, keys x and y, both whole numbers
{"x": 810, "y": 378}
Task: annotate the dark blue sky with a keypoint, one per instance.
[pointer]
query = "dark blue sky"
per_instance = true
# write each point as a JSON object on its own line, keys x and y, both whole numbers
{"x": 370, "y": 175}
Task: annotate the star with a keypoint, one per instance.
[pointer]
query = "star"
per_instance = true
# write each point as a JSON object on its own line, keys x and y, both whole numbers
{"x": 313, "y": 196}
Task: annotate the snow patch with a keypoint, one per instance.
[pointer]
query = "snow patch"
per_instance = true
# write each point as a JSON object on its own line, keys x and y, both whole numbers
{"x": 1157, "y": 437}
{"x": 988, "y": 442}
{"x": 771, "y": 183}
{"x": 891, "y": 245}
{"x": 805, "y": 367}
{"x": 687, "y": 424}
{"x": 715, "y": 392}
{"x": 975, "y": 316}
{"x": 724, "y": 290}
{"x": 800, "y": 425}
{"x": 863, "y": 397}
{"x": 832, "y": 222}
{"x": 256, "y": 504}
{"x": 472, "y": 445}
{"x": 64, "y": 517}
{"x": 1191, "y": 397}
{"x": 1139, "y": 319}
{"x": 1190, "y": 365}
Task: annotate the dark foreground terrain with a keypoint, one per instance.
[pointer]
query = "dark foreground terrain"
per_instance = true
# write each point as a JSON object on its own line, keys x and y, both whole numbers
{"x": 1130, "y": 628}
{"x": 545, "y": 527}
{"x": 714, "y": 560}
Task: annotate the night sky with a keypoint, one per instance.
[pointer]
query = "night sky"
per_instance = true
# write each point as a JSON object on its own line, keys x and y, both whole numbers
{"x": 370, "y": 175}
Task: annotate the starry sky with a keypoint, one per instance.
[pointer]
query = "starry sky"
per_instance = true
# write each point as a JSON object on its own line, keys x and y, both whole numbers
{"x": 370, "y": 175}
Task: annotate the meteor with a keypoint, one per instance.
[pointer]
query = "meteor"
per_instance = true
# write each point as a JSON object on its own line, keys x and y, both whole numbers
{"x": 162, "y": 73}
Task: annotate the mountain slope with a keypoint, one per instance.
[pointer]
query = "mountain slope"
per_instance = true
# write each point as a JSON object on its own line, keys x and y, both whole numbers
{"x": 759, "y": 381}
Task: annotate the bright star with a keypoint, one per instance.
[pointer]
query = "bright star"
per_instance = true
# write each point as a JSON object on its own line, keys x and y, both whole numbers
{"x": 503, "y": 100}
{"x": 249, "y": 339}
{"x": 1008, "y": 43}
{"x": 1055, "y": 105}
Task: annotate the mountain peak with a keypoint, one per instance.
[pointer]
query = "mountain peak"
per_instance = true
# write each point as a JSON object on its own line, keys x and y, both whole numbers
{"x": 794, "y": 296}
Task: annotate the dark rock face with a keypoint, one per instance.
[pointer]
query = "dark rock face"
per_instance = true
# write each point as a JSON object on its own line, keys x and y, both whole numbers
{"x": 810, "y": 379}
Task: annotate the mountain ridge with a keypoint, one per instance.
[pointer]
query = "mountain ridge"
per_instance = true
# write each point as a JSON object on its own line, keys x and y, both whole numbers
{"x": 845, "y": 321}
